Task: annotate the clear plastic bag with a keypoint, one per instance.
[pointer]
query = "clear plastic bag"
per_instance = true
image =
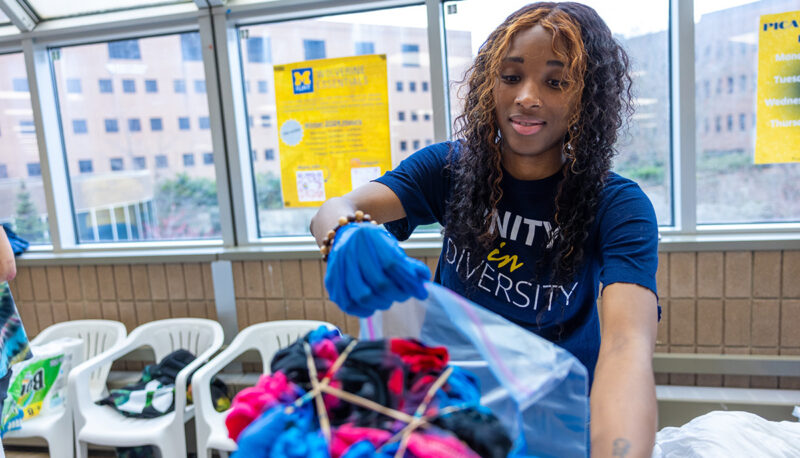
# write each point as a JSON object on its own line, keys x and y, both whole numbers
{"x": 536, "y": 388}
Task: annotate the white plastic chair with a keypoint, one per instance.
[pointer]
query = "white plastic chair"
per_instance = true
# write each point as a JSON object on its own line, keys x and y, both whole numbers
{"x": 102, "y": 425}
{"x": 98, "y": 336}
{"x": 267, "y": 339}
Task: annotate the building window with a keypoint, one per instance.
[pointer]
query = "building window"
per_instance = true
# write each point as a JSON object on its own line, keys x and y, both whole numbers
{"x": 200, "y": 86}
{"x": 742, "y": 83}
{"x": 116, "y": 164}
{"x": 269, "y": 154}
{"x": 203, "y": 122}
{"x": 706, "y": 125}
{"x": 730, "y": 85}
{"x": 416, "y": 145}
{"x": 188, "y": 160}
{"x": 151, "y": 86}
{"x": 129, "y": 86}
{"x": 414, "y": 116}
{"x": 134, "y": 125}
{"x": 259, "y": 50}
{"x": 27, "y": 127}
{"x": 79, "y": 126}
{"x": 399, "y": 86}
{"x": 34, "y": 169}
{"x": 412, "y": 86}
{"x": 410, "y": 55}
{"x": 183, "y": 123}
{"x": 180, "y": 86}
{"x": 156, "y": 125}
{"x": 403, "y": 146}
{"x": 3, "y": 171}
{"x": 266, "y": 121}
{"x": 706, "y": 88}
{"x": 730, "y": 122}
{"x": 717, "y": 124}
{"x": 161, "y": 161}
{"x": 428, "y": 141}
{"x": 111, "y": 125}
{"x": 124, "y": 49}
{"x": 190, "y": 47}
{"x": 208, "y": 158}
{"x": 401, "y": 115}
{"x": 139, "y": 163}
{"x": 742, "y": 122}
{"x": 105, "y": 86}
{"x": 85, "y": 166}
{"x": 314, "y": 49}
{"x": 20, "y": 84}
{"x": 719, "y": 86}
{"x": 424, "y": 86}
{"x": 426, "y": 116}
{"x": 74, "y": 86}
{"x": 364, "y": 47}
{"x": 262, "y": 87}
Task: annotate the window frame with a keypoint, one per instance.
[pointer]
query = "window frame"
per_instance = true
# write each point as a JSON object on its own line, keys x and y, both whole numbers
{"x": 231, "y": 151}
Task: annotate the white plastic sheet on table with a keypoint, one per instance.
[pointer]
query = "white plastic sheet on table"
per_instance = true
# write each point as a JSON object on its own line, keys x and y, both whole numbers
{"x": 536, "y": 388}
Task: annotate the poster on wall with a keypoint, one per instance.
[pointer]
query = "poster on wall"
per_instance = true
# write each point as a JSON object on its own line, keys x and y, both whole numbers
{"x": 778, "y": 97}
{"x": 333, "y": 125}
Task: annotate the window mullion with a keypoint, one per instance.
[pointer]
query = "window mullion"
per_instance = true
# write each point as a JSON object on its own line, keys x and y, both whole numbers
{"x": 438, "y": 66}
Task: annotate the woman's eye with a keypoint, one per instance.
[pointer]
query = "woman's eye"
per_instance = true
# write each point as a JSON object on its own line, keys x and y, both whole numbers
{"x": 509, "y": 78}
{"x": 556, "y": 83}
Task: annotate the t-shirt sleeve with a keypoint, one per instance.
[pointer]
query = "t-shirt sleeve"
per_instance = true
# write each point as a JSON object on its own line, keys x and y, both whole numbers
{"x": 628, "y": 238}
{"x": 420, "y": 183}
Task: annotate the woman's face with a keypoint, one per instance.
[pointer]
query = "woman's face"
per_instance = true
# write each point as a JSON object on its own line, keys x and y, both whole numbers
{"x": 532, "y": 108}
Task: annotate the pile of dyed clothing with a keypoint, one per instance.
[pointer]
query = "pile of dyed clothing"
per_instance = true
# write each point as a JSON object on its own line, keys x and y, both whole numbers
{"x": 332, "y": 396}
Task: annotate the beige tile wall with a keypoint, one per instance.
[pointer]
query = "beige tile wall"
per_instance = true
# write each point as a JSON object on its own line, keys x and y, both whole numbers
{"x": 735, "y": 302}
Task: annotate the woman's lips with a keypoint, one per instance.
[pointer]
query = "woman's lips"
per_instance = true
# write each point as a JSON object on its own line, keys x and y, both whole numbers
{"x": 526, "y": 126}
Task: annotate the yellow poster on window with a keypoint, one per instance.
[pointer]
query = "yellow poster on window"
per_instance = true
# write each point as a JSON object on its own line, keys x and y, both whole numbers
{"x": 778, "y": 97}
{"x": 333, "y": 125}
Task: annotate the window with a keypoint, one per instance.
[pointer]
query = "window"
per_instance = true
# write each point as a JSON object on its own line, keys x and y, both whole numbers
{"x": 742, "y": 83}
{"x": 412, "y": 86}
{"x": 203, "y": 122}
{"x": 105, "y": 86}
{"x": 124, "y": 49}
{"x": 424, "y": 86}
{"x": 34, "y": 169}
{"x": 742, "y": 122}
{"x": 426, "y": 116}
{"x": 27, "y": 127}
{"x": 116, "y": 164}
{"x": 139, "y": 163}
{"x": 730, "y": 85}
{"x": 706, "y": 88}
{"x": 314, "y": 49}
{"x": 717, "y": 124}
{"x": 401, "y": 115}
{"x": 190, "y": 47}
{"x": 183, "y": 123}
{"x": 188, "y": 160}
{"x": 156, "y": 125}
{"x": 730, "y": 122}
{"x": 179, "y": 86}
{"x": 410, "y": 55}
{"x": 3, "y": 171}
{"x": 399, "y": 86}
{"x": 253, "y": 156}
{"x": 208, "y": 158}
{"x": 416, "y": 145}
{"x": 262, "y": 87}
{"x": 79, "y": 126}
{"x": 428, "y": 142}
{"x": 111, "y": 125}
{"x": 20, "y": 84}
{"x": 74, "y": 86}
{"x": 85, "y": 166}
{"x": 403, "y": 145}
{"x": 150, "y": 86}
{"x": 134, "y": 125}
{"x": 129, "y": 86}
{"x": 414, "y": 116}
{"x": 161, "y": 161}
{"x": 200, "y": 86}
{"x": 269, "y": 154}
{"x": 259, "y": 50}
{"x": 266, "y": 121}
{"x": 364, "y": 47}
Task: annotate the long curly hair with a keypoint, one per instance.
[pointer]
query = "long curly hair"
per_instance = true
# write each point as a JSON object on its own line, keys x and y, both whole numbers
{"x": 597, "y": 75}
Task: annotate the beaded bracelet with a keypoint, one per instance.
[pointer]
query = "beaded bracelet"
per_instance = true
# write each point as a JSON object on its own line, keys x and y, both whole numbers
{"x": 359, "y": 217}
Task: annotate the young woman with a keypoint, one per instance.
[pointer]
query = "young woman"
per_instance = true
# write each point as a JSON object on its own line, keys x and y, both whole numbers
{"x": 533, "y": 219}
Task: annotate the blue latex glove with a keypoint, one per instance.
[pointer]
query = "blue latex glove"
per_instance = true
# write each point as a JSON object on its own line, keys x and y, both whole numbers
{"x": 368, "y": 271}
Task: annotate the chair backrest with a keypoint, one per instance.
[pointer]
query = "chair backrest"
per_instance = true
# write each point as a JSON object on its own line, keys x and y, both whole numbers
{"x": 269, "y": 337}
{"x": 97, "y": 335}
{"x": 165, "y": 336}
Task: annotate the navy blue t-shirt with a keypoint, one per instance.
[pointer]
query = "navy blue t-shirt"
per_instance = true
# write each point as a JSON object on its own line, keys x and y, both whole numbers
{"x": 621, "y": 247}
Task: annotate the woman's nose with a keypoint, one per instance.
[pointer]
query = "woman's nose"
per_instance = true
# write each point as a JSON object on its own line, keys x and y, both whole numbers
{"x": 528, "y": 96}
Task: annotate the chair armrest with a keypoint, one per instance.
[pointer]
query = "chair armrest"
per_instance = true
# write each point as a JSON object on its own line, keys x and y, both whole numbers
{"x": 201, "y": 380}
{"x": 183, "y": 375}
{"x": 79, "y": 376}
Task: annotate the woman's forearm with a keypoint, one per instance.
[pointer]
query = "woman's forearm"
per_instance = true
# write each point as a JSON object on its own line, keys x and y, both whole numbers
{"x": 623, "y": 403}
{"x": 327, "y": 217}
{"x": 8, "y": 268}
